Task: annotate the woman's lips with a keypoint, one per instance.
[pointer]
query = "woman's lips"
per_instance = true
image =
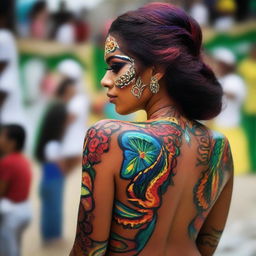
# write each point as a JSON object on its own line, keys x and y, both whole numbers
{"x": 112, "y": 98}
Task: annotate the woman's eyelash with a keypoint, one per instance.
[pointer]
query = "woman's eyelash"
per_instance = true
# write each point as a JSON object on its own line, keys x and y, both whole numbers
{"x": 115, "y": 67}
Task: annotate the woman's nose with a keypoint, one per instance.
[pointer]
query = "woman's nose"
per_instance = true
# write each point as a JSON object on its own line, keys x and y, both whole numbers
{"x": 106, "y": 81}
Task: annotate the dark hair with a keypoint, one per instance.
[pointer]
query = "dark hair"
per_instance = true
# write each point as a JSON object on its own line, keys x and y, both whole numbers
{"x": 15, "y": 133}
{"x": 64, "y": 84}
{"x": 38, "y": 7}
{"x": 51, "y": 128}
{"x": 163, "y": 34}
{"x": 53, "y": 122}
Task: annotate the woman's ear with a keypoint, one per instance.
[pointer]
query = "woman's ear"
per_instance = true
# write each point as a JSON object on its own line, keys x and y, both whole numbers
{"x": 158, "y": 72}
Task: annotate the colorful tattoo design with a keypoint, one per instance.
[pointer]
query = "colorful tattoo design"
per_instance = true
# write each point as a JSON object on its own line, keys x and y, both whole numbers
{"x": 150, "y": 152}
{"x": 138, "y": 88}
{"x": 96, "y": 143}
{"x": 210, "y": 239}
{"x": 111, "y": 45}
{"x": 150, "y": 157}
{"x": 215, "y": 155}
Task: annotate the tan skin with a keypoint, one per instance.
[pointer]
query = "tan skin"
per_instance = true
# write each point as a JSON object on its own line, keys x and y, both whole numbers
{"x": 187, "y": 224}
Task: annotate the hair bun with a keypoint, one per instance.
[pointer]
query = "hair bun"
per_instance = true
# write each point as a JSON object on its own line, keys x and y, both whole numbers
{"x": 163, "y": 34}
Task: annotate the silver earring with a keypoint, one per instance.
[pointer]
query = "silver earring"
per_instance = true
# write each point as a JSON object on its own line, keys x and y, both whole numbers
{"x": 138, "y": 88}
{"x": 154, "y": 85}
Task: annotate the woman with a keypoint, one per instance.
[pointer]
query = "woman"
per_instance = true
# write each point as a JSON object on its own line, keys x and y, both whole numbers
{"x": 160, "y": 187}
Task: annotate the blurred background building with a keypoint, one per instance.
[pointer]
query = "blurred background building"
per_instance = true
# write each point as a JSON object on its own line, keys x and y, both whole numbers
{"x": 51, "y": 64}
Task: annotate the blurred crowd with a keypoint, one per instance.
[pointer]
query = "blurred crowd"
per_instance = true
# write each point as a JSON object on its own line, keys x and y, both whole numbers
{"x": 48, "y": 102}
{"x": 221, "y": 14}
{"x": 63, "y": 25}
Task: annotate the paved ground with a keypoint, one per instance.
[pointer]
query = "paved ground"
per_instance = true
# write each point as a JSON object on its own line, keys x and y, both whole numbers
{"x": 239, "y": 238}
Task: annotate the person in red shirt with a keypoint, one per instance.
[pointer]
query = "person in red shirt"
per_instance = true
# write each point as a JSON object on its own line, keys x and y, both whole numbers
{"x": 15, "y": 181}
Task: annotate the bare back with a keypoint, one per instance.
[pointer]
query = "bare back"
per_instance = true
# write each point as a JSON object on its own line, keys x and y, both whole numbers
{"x": 153, "y": 188}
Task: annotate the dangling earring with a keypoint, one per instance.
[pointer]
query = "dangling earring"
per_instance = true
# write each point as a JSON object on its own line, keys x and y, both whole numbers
{"x": 138, "y": 88}
{"x": 154, "y": 85}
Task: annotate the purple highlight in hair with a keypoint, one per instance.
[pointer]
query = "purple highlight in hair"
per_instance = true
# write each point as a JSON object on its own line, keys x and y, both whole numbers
{"x": 163, "y": 34}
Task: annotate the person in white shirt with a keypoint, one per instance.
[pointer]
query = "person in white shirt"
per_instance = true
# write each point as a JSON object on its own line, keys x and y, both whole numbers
{"x": 65, "y": 34}
{"x": 11, "y": 106}
{"x": 78, "y": 111}
{"x": 229, "y": 120}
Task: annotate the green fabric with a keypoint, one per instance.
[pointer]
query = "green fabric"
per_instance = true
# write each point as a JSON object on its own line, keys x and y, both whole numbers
{"x": 51, "y": 63}
{"x": 249, "y": 123}
{"x": 238, "y": 44}
{"x": 252, "y": 6}
{"x": 99, "y": 66}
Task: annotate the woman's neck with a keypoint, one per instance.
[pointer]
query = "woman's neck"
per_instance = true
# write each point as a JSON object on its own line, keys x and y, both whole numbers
{"x": 161, "y": 106}
{"x": 163, "y": 111}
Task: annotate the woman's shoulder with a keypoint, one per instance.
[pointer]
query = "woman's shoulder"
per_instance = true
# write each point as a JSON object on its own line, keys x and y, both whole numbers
{"x": 120, "y": 125}
{"x": 221, "y": 154}
{"x": 159, "y": 132}
{"x": 155, "y": 129}
{"x": 216, "y": 141}
{"x": 158, "y": 128}
{"x": 161, "y": 124}
{"x": 207, "y": 130}
{"x": 213, "y": 154}
{"x": 217, "y": 136}
{"x": 107, "y": 129}
{"x": 108, "y": 125}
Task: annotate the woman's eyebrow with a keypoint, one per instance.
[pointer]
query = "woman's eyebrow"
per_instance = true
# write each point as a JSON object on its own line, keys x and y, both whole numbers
{"x": 121, "y": 57}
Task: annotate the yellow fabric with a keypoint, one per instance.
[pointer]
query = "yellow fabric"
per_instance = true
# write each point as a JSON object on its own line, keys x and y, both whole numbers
{"x": 239, "y": 148}
{"x": 247, "y": 69}
{"x": 226, "y": 6}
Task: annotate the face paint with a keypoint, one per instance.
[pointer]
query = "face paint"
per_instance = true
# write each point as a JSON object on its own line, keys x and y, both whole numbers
{"x": 129, "y": 76}
{"x": 123, "y": 57}
{"x": 138, "y": 88}
{"x": 111, "y": 45}
{"x": 124, "y": 80}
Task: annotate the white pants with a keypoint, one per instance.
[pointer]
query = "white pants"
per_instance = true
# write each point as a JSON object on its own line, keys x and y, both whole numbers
{"x": 14, "y": 218}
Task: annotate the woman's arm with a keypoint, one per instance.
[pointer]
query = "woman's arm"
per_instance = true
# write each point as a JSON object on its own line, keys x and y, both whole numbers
{"x": 211, "y": 231}
{"x": 97, "y": 192}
